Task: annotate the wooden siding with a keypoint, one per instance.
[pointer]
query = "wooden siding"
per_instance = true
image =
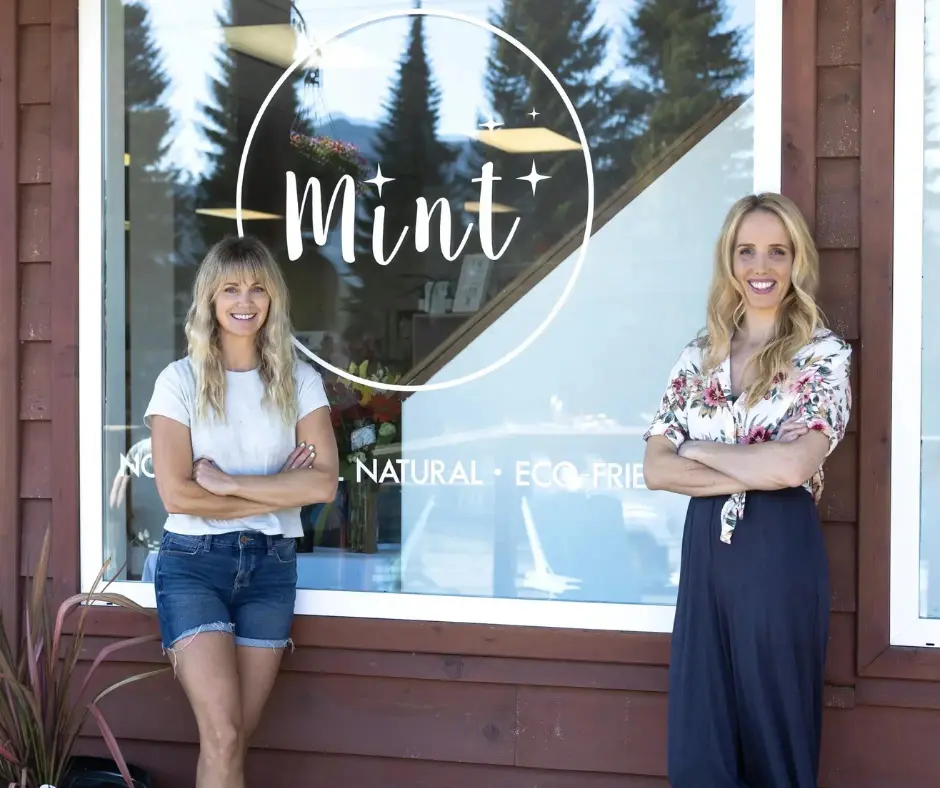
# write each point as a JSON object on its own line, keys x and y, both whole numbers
{"x": 9, "y": 317}
{"x": 378, "y": 703}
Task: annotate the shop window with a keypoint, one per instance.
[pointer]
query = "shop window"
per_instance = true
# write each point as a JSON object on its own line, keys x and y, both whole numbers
{"x": 516, "y": 497}
{"x": 915, "y": 426}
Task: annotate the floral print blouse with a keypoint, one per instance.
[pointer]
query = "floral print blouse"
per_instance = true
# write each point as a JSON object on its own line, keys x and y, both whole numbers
{"x": 697, "y": 406}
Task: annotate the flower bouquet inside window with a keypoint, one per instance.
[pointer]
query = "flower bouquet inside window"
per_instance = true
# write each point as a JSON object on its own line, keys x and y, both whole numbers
{"x": 330, "y": 159}
{"x": 367, "y": 425}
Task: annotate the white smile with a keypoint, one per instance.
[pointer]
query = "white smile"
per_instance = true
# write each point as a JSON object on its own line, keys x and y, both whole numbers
{"x": 762, "y": 286}
{"x": 244, "y": 317}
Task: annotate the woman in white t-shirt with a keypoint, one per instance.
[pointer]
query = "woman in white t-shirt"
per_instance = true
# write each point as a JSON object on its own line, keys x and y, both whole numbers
{"x": 236, "y": 426}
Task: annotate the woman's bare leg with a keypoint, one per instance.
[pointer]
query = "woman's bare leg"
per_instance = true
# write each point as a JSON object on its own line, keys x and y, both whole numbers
{"x": 208, "y": 670}
{"x": 257, "y": 668}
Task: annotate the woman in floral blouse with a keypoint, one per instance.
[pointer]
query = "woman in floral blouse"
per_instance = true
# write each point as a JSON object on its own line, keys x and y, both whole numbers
{"x": 752, "y": 409}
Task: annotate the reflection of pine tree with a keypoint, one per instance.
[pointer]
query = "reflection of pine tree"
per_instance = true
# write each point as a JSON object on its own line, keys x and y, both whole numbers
{"x": 683, "y": 61}
{"x": 236, "y": 92}
{"x": 408, "y": 148}
{"x": 145, "y": 83}
{"x": 220, "y": 131}
{"x": 237, "y": 89}
{"x": 147, "y": 123}
{"x": 149, "y": 248}
{"x": 145, "y": 79}
{"x": 562, "y": 36}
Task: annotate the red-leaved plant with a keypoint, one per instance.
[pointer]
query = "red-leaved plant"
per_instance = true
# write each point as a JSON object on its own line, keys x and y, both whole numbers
{"x": 42, "y": 703}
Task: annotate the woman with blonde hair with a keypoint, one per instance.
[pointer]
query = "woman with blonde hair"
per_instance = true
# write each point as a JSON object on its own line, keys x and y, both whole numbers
{"x": 752, "y": 409}
{"x": 236, "y": 426}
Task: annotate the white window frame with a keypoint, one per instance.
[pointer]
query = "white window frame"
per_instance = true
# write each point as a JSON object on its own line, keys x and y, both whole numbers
{"x": 768, "y": 78}
{"x": 907, "y": 627}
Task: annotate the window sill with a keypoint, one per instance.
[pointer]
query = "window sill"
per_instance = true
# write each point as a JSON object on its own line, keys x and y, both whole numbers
{"x": 481, "y": 640}
{"x": 904, "y": 662}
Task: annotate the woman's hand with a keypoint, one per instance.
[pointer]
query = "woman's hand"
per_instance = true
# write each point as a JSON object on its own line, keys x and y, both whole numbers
{"x": 764, "y": 465}
{"x": 211, "y": 478}
{"x": 301, "y": 457}
{"x": 791, "y": 429}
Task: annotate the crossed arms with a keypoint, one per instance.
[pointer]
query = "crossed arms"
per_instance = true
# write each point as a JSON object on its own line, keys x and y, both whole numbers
{"x": 702, "y": 468}
{"x": 201, "y": 489}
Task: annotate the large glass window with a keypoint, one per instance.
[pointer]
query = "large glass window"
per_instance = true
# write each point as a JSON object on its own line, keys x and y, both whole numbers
{"x": 516, "y": 496}
{"x": 915, "y": 463}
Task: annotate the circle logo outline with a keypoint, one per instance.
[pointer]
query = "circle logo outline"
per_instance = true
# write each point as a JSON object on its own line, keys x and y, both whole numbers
{"x": 589, "y": 167}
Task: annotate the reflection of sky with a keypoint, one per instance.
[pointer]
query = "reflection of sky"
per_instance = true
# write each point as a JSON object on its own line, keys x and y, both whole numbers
{"x": 932, "y": 108}
{"x": 188, "y": 36}
{"x": 930, "y": 424}
{"x": 931, "y": 284}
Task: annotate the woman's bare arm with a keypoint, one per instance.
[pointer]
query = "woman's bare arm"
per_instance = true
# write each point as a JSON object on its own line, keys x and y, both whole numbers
{"x": 173, "y": 468}
{"x": 664, "y": 469}
{"x": 772, "y": 465}
{"x": 824, "y": 404}
{"x": 304, "y": 485}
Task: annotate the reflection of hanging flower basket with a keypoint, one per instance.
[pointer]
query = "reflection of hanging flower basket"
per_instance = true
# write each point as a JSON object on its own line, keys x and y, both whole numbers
{"x": 331, "y": 159}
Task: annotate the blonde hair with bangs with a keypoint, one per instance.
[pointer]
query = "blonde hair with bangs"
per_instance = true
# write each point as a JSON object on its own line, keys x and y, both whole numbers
{"x": 798, "y": 316}
{"x": 241, "y": 259}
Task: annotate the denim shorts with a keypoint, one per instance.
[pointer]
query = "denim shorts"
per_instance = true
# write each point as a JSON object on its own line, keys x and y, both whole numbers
{"x": 240, "y": 582}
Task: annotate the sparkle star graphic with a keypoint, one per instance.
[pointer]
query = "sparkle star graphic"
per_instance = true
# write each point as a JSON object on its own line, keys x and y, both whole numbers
{"x": 533, "y": 113}
{"x": 379, "y": 180}
{"x": 533, "y": 177}
{"x": 490, "y": 124}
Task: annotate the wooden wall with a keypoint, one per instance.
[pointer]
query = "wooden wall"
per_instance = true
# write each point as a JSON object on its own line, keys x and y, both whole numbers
{"x": 39, "y": 282}
{"x": 378, "y": 703}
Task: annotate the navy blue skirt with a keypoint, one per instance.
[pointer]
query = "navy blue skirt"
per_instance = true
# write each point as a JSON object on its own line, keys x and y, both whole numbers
{"x": 748, "y": 653}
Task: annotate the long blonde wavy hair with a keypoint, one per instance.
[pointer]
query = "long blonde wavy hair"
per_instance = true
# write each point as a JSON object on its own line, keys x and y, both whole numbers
{"x": 238, "y": 259}
{"x": 798, "y": 316}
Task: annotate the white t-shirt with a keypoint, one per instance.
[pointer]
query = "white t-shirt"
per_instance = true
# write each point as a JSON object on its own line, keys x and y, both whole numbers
{"x": 253, "y": 440}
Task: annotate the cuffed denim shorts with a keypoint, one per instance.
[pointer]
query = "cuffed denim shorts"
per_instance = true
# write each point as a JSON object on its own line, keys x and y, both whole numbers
{"x": 242, "y": 582}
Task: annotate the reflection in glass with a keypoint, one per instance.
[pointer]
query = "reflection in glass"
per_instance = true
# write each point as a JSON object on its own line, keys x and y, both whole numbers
{"x": 930, "y": 381}
{"x": 527, "y": 482}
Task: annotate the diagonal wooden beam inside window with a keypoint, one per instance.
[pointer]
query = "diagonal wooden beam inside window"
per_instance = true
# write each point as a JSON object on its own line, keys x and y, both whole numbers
{"x": 476, "y": 324}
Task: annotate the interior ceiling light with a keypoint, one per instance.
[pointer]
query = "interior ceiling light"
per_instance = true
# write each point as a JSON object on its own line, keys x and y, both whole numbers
{"x": 229, "y": 213}
{"x": 280, "y": 45}
{"x": 498, "y": 207}
{"x": 274, "y": 44}
{"x": 527, "y": 140}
